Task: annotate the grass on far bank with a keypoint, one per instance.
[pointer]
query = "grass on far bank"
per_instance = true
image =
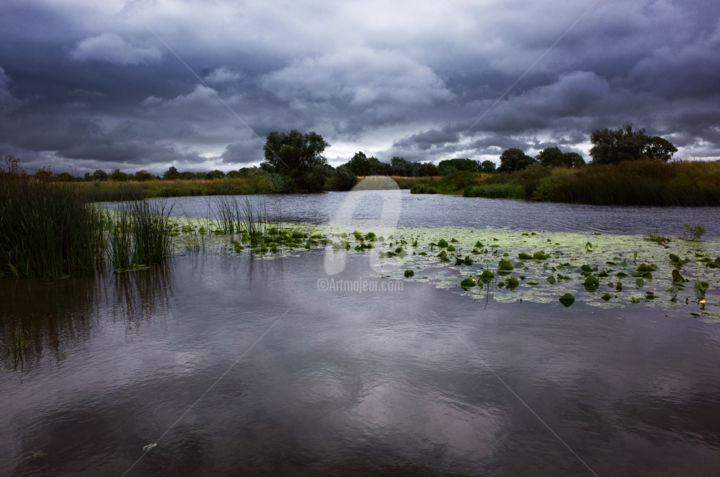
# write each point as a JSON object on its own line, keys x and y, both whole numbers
{"x": 651, "y": 183}
{"x": 105, "y": 191}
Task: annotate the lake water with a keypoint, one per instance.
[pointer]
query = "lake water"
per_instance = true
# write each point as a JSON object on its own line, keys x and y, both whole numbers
{"x": 236, "y": 365}
{"x": 421, "y": 210}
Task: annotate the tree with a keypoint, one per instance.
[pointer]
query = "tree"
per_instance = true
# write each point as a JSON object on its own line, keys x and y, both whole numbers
{"x": 171, "y": 174}
{"x": 43, "y": 175}
{"x": 659, "y": 148}
{"x": 116, "y": 175}
{"x": 143, "y": 175}
{"x": 449, "y": 166}
{"x": 487, "y": 166}
{"x": 100, "y": 175}
{"x": 611, "y": 146}
{"x": 401, "y": 167}
{"x": 216, "y": 174}
{"x": 296, "y": 156}
{"x": 554, "y": 157}
{"x": 551, "y": 157}
{"x": 573, "y": 159}
{"x": 514, "y": 160}
{"x": 361, "y": 165}
{"x": 428, "y": 169}
{"x": 64, "y": 177}
{"x": 342, "y": 179}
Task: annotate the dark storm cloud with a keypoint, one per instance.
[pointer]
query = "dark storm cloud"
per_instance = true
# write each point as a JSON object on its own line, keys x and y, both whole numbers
{"x": 85, "y": 85}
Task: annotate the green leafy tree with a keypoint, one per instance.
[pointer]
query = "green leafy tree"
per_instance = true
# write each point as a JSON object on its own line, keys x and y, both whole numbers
{"x": 514, "y": 159}
{"x": 171, "y": 174}
{"x": 64, "y": 177}
{"x": 611, "y": 146}
{"x": 297, "y": 156}
{"x": 117, "y": 175}
{"x": 342, "y": 178}
{"x": 659, "y": 148}
{"x": 426, "y": 169}
{"x": 551, "y": 157}
{"x": 554, "y": 157}
{"x": 100, "y": 175}
{"x": 359, "y": 164}
{"x": 143, "y": 175}
{"x": 449, "y": 166}
{"x": 401, "y": 167}
{"x": 187, "y": 175}
{"x": 573, "y": 159}
{"x": 216, "y": 174}
{"x": 487, "y": 166}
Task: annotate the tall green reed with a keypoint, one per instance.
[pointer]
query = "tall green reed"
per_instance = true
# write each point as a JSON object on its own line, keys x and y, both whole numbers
{"x": 46, "y": 230}
{"x": 139, "y": 234}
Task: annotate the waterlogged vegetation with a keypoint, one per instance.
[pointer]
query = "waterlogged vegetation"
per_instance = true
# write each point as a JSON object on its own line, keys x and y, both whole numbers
{"x": 509, "y": 266}
{"x": 45, "y": 230}
{"x": 51, "y": 232}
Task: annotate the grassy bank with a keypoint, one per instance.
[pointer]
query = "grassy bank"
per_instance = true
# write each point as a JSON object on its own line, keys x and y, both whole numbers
{"x": 104, "y": 191}
{"x": 629, "y": 183}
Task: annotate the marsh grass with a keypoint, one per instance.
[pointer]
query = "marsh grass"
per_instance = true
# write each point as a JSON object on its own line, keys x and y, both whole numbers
{"x": 240, "y": 217}
{"x": 652, "y": 183}
{"x": 139, "y": 235}
{"x": 634, "y": 183}
{"x": 46, "y": 230}
{"x": 694, "y": 232}
{"x": 255, "y": 183}
{"x": 118, "y": 194}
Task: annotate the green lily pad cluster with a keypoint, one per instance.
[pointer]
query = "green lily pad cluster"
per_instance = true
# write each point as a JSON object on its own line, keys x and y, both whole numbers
{"x": 598, "y": 270}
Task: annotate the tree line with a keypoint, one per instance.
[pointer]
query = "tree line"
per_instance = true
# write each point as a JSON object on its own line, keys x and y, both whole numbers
{"x": 297, "y": 159}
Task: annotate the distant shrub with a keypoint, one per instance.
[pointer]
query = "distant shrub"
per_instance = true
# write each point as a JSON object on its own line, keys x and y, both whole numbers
{"x": 496, "y": 191}
{"x": 423, "y": 189}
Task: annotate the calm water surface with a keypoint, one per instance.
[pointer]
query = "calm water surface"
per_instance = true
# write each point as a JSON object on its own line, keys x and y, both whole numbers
{"x": 239, "y": 366}
{"x": 420, "y": 210}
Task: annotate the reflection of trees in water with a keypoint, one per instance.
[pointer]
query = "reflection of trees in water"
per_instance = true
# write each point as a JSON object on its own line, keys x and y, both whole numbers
{"x": 40, "y": 318}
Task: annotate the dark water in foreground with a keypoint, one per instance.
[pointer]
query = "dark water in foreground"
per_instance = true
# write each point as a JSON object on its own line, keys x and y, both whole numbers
{"x": 238, "y": 366}
{"x": 418, "y": 210}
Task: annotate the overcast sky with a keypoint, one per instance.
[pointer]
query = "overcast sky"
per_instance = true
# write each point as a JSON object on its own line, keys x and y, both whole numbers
{"x": 149, "y": 84}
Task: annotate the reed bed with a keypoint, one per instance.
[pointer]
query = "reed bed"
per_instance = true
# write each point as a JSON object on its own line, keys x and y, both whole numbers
{"x": 46, "y": 230}
{"x": 139, "y": 235}
{"x": 51, "y": 231}
{"x": 235, "y": 217}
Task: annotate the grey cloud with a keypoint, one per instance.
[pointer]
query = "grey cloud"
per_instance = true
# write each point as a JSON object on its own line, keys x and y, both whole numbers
{"x": 248, "y": 151}
{"x": 399, "y": 79}
{"x": 222, "y": 75}
{"x": 359, "y": 78}
{"x": 112, "y": 48}
{"x": 8, "y": 101}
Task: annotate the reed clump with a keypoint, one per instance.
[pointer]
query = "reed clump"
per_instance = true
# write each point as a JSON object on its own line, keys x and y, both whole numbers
{"x": 139, "y": 235}
{"x": 46, "y": 230}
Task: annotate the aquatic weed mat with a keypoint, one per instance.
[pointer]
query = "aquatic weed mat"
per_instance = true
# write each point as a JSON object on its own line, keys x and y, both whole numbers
{"x": 602, "y": 270}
